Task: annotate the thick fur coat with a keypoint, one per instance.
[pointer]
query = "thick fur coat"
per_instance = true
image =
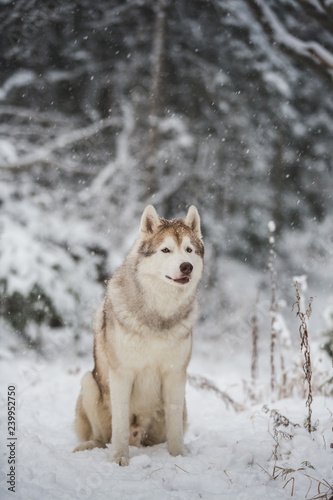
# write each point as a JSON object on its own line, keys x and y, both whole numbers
{"x": 135, "y": 394}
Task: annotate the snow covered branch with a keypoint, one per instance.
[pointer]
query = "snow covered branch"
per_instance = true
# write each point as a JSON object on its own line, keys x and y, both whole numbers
{"x": 122, "y": 159}
{"x": 310, "y": 50}
{"x": 45, "y": 153}
{"x": 30, "y": 114}
{"x": 321, "y": 10}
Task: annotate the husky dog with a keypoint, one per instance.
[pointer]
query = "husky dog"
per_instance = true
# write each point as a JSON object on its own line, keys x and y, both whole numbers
{"x": 143, "y": 341}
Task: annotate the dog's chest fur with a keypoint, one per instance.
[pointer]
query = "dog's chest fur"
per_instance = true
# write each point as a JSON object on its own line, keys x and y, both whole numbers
{"x": 141, "y": 331}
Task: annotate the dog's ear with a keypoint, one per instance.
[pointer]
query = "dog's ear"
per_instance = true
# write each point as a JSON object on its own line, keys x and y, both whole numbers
{"x": 149, "y": 220}
{"x": 193, "y": 221}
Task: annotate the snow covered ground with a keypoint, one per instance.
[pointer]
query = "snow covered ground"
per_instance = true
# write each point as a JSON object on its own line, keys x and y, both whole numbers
{"x": 229, "y": 455}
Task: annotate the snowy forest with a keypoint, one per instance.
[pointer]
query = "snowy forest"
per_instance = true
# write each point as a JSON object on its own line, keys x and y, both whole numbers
{"x": 108, "y": 106}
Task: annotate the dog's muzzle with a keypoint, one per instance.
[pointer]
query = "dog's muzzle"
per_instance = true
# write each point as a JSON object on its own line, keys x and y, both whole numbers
{"x": 185, "y": 268}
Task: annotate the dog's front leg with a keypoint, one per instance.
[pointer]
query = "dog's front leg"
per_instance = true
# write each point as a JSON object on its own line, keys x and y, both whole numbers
{"x": 120, "y": 388}
{"x": 173, "y": 396}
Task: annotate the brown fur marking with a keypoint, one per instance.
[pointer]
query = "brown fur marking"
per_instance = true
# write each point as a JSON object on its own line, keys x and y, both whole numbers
{"x": 177, "y": 229}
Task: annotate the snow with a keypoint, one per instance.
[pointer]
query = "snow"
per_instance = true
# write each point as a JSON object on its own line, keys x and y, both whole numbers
{"x": 65, "y": 192}
{"x": 45, "y": 152}
{"x": 174, "y": 125}
{"x": 18, "y": 79}
{"x": 7, "y": 152}
{"x": 282, "y": 330}
{"x": 43, "y": 255}
{"x": 278, "y": 82}
{"x": 302, "y": 281}
{"x": 328, "y": 314}
{"x": 229, "y": 454}
{"x": 309, "y": 49}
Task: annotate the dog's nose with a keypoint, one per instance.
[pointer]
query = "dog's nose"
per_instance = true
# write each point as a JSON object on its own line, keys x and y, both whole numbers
{"x": 186, "y": 268}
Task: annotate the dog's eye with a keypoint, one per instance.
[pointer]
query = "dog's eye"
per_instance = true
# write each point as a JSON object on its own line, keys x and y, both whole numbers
{"x": 188, "y": 249}
{"x": 165, "y": 250}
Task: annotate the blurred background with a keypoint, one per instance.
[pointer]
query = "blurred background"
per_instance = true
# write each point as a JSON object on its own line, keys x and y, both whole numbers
{"x": 107, "y": 106}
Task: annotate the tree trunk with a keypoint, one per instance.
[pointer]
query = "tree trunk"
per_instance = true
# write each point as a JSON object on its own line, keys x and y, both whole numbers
{"x": 155, "y": 98}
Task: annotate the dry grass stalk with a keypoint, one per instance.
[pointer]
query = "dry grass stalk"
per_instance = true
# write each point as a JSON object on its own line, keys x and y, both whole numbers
{"x": 254, "y": 363}
{"x": 225, "y": 472}
{"x": 283, "y": 387}
{"x": 305, "y": 347}
{"x": 273, "y": 306}
{"x": 279, "y": 434}
{"x": 278, "y": 418}
{"x": 187, "y": 472}
{"x": 283, "y": 472}
{"x": 199, "y": 382}
{"x": 326, "y": 495}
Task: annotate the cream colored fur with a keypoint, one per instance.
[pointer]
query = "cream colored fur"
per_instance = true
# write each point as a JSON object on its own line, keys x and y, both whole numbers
{"x": 143, "y": 343}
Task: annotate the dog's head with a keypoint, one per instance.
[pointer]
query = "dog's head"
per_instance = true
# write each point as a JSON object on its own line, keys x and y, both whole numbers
{"x": 171, "y": 250}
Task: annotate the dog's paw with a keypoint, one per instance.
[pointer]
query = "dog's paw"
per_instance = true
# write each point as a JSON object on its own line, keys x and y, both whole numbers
{"x": 89, "y": 445}
{"x": 78, "y": 448}
{"x": 176, "y": 449}
{"x": 123, "y": 461}
{"x": 86, "y": 445}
